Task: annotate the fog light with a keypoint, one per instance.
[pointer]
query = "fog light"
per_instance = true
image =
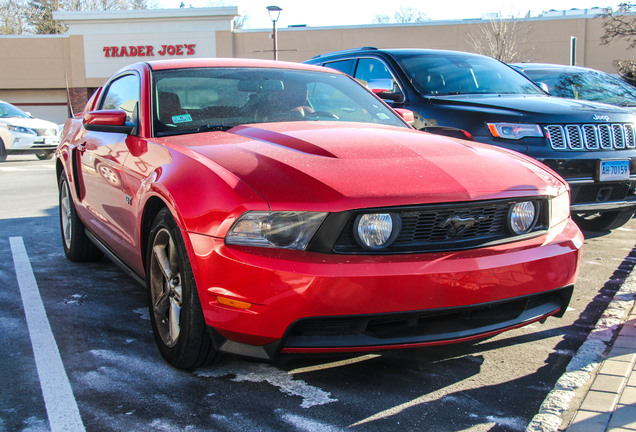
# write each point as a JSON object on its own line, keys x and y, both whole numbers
{"x": 376, "y": 230}
{"x": 522, "y": 217}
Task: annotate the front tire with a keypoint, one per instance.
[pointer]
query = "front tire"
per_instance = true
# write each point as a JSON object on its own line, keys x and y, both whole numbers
{"x": 44, "y": 155}
{"x": 175, "y": 310}
{"x": 604, "y": 221}
{"x": 77, "y": 246}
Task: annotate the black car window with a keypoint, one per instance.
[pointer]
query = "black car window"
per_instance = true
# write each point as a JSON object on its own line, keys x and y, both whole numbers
{"x": 376, "y": 76}
{"x": 344, "y": 66}
{"x": 122, "y": 94}
{"x": 454, "y": 74}
{"x": 587, "y": 85}
{"x": 370, "y": 69}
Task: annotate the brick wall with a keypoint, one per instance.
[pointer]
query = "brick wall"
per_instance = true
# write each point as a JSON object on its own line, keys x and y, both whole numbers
{"x": 78, "y": 96}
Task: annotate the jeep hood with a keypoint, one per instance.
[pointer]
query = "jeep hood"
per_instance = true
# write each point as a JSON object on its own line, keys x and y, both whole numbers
{"x": 534, "y": 108}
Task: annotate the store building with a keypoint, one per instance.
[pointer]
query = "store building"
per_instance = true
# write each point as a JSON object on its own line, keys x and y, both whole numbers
{"x": 48, "y": 75}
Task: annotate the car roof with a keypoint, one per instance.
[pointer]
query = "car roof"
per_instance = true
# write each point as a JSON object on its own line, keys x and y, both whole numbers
{"x": 531, "y": 66}
{"x": 229, "y": 62}
{"x": 396, "y": 51}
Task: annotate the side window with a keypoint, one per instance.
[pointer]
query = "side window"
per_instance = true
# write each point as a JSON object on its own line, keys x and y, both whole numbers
{"x": 376, "y": 76}
{"x": 344, "y": 66}
{"x": 122, "y": 94}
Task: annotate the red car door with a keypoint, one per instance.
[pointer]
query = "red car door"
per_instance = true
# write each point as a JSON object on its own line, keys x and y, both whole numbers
{"x": 106, "y": 200}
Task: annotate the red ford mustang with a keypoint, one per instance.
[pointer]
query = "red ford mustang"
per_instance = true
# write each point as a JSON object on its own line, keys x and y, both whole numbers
{"x": 273, "y": 208}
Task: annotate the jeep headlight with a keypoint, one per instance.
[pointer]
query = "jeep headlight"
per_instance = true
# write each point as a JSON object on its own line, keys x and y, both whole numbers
{"x": 514, "y": 130}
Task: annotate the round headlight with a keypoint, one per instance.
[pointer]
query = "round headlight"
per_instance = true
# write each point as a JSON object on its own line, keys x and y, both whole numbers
{"x": 282, "y": 229}
{"x": 376, "y": 230}
{"x": 522, "y": 217}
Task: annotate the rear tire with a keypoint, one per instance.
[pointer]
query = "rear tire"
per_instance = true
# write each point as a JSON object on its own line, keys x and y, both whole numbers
{"x": 3, "y": 151}
{"x": 175, "y": 310}
{"x": 77, "y": 246}
{"x": 604, "y": 221}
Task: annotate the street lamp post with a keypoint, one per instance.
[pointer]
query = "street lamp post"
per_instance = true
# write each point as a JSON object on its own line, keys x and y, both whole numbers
{"x": 274, "y": 14}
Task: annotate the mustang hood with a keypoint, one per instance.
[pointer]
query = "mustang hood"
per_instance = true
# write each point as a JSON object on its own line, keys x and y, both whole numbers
{"x": 340, "y": 166}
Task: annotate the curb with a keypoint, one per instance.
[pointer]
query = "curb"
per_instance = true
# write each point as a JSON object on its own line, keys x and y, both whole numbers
{"x": 585, "y": 363}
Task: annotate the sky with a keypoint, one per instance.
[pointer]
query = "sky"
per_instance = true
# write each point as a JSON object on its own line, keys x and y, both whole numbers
{"x": 320, "y": 13}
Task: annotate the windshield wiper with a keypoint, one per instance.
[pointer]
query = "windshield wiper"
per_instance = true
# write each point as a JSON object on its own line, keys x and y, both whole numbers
{"x": 214, "y": 127}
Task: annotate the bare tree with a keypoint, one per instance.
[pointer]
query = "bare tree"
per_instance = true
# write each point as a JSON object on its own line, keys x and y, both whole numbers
{"x": 381, "y": 19}
{"x": 621, "y": 24}
{"x": 402, "y": 16}
{"x": 239, "y": 21}
{"x": 502, "y": 38}
{"x": 409, "y": 15}
{"x": 39, "y": 14}
{"x": 12, "y": 19}
{"x": 36, "y": 16}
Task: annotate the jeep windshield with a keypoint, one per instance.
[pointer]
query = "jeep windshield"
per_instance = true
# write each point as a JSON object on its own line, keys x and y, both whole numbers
{"x": 442, "y": 74}
{"x": 216, "y": 99}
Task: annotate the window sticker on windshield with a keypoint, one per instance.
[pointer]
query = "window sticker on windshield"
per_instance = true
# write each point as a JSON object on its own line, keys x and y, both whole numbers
{"x": 182, "y": 118}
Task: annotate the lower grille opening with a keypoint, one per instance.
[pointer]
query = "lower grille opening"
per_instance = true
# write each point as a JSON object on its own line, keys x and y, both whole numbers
{"x": 423, "y": 326}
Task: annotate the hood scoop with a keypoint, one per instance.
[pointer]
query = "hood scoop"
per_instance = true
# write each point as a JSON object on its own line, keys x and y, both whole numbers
{"x": 281, "y": 139}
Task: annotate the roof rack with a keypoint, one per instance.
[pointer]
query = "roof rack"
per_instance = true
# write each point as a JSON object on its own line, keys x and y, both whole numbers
{"x": 347, "y": 50}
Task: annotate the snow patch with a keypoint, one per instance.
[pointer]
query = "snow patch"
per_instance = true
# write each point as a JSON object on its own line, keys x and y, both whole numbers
{"x": 259, "y": 372}
{"x": 33, "y": 424}
{"x": 304, "y": 424}
{"x": 143, "y": 313}
{"x": 514, "y": 423}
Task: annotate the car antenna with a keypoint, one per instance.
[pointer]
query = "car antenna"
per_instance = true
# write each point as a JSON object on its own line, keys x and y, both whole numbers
{"x": 68, "y": 98}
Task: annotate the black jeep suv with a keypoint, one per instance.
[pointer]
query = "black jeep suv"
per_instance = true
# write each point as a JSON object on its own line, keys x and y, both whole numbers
{"x": 592, "y": 145}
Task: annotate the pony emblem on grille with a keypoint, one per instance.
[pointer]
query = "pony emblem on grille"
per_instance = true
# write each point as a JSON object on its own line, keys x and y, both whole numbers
{"x": 456, "y": 226}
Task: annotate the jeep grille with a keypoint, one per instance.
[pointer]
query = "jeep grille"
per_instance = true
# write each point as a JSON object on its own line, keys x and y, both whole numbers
{"x": 591, "y": 136}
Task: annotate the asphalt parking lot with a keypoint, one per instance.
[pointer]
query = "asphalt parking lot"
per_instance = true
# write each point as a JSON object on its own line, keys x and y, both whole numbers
{"x": 87, "y": 357}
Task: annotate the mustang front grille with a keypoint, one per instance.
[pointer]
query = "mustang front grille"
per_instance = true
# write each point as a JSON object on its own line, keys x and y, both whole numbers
{"x": 591, "y": 136}
{"x": 432, "y": 228}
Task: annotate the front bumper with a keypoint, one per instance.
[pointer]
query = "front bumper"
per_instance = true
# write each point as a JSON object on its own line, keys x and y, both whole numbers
{"x": 304, "y": 302}
{"x": 27, "y": 143}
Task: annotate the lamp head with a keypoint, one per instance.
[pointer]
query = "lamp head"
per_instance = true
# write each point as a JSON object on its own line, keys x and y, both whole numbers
{"x": 274, "y": 12}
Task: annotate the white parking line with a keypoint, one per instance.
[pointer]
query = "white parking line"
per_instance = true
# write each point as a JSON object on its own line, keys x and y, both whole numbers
{"x": 61, "y": 407}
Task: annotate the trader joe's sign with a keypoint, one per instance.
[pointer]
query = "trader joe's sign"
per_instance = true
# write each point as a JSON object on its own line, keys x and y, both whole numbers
{"x": 149, "y": 50}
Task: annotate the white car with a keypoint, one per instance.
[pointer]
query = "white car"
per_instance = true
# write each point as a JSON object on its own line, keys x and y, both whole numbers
{"x": 21, "y": 133}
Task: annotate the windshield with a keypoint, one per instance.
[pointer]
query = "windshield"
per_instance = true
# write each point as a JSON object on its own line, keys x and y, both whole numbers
{"x": 438, "y": 74}
{"x": 200, "y": 99}
{"x": 10, "y": 111}
{"x": 589, "y": 85}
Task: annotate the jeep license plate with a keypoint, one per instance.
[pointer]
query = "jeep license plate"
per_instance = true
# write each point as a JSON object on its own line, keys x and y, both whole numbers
{"x": 613, "y": 170}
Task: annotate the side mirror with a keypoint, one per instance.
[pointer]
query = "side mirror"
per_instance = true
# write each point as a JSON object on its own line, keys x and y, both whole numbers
{"x": 384, "y": 88}
{"x": 407, "y": 115}
{"x": 113, "y": 121}
{"x": 544, "y": 87}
